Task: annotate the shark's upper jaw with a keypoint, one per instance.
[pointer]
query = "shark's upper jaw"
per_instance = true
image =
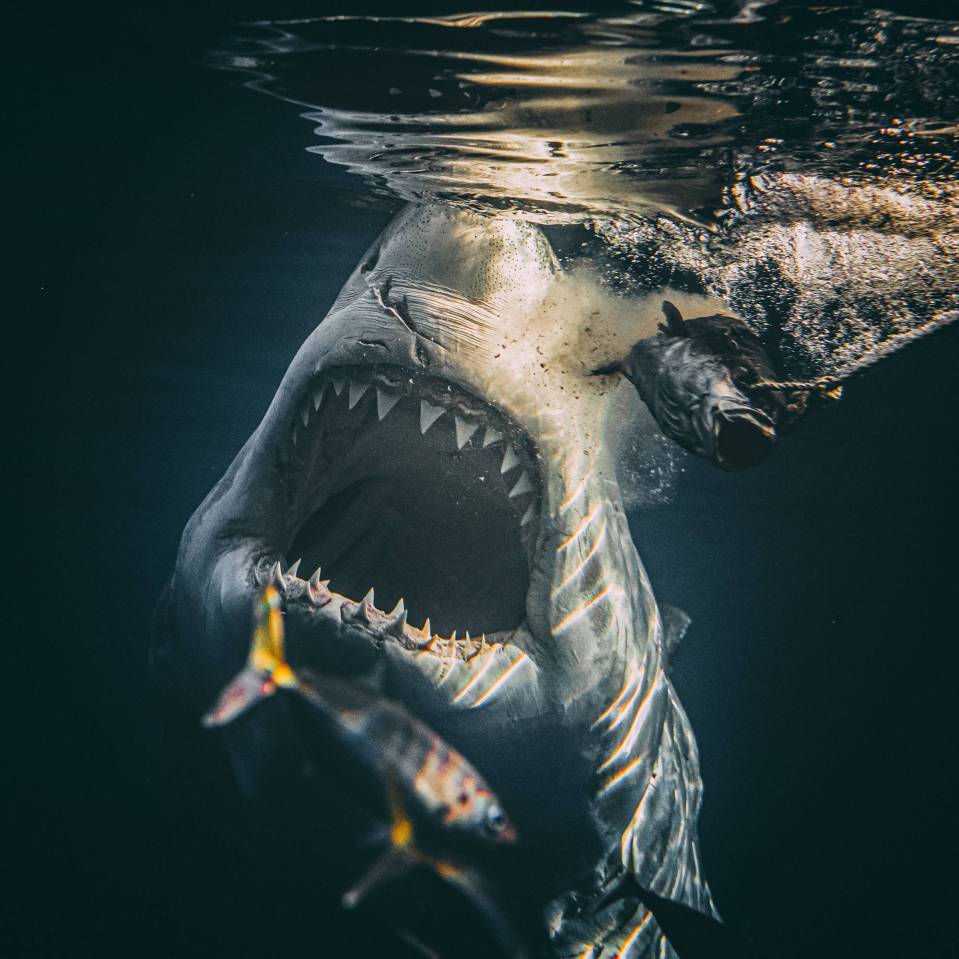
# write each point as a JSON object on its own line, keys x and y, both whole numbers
{"x": 409, "y": 485}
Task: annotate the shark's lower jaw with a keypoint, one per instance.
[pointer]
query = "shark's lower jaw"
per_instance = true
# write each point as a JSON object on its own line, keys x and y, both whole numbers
{"x": 414, "y": 488}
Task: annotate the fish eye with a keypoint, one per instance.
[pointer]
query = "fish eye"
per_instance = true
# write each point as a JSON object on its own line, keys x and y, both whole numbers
{"x": 495, "y": 819}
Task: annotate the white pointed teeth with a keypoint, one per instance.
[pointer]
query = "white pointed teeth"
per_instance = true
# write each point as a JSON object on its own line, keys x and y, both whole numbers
{"x": 338, "y": 386}
{"x": 318, "y": 396}
{"x": 356, "y": 392}
{"x": 276, "y": 576}
{"x": 305, "y": 414}
{"x": 491, "y": 436}
{"x": 385, "y": 402}
{"x": 464, "y": 430}
{"x": 358, "y": 612}
{"x": 523, "y": 485}
{"x": 427, "y": 629}
{"x": 510, "y": 460}
{"x": 315, "y": 579}
{"x": 397, "y": 623}
{"x": 528, "y": 515}
{"x": 294, "y": 569}
{"x": 429, "y": 414}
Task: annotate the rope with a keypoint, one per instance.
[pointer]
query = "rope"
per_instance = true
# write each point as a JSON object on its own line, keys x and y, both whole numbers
{"x": 829, "y": 383}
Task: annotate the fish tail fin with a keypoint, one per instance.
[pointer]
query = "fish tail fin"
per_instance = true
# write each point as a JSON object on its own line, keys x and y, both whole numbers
{"x": 267, "y": 650}
{"x": 244, "y": 691}
{"x": 266, "y": 667}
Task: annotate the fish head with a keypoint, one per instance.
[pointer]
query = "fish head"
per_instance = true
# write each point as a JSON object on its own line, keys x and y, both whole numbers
{"x": 696, "y": 377}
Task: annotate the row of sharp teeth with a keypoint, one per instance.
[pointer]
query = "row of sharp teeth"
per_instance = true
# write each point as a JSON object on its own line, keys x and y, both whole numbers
{"x": 429, "y": 415}
{"x": 365, "y": 613}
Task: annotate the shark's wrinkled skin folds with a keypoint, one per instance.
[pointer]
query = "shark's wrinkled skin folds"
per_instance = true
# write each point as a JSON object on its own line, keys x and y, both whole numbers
{"x": 569, "y": 713}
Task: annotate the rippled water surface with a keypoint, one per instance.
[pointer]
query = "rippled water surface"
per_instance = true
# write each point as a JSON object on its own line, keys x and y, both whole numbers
{"x": 797, "y": 161}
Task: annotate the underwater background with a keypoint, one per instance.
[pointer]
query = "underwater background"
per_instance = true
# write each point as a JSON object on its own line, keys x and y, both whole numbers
{"x": 176, "y": 242}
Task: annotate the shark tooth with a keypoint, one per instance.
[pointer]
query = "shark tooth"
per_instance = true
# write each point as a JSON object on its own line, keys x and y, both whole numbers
{"x": 305, "y": 413}
{"x": 491, "y": 436}
{"x": 368, "y": 601}
{"x": 464, "y": 430}
{"x": 426, "y": 628}
{"x": 385, "y": 402}
{"x": 296, "y": 432}
{"x": 528, "y": 515}
{"x": 397, "y": 625}
{"x": 429, "y": 414}
{"x": 523, "y": 485}
{"x": 315, "y": 579}
{"x": 318, "y": 396}
{"x": 338, "y": 386}
{"x": 400, "y": 607}
{"x": 276, "y": 576}
{"x": 479, "y": 646}
{"x": 292, "y": 571}
{"x": 510, "y": 460}
{"x": 356, "y": 392}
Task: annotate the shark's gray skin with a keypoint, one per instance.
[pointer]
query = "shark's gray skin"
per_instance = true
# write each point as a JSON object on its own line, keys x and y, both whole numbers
{"x": 439, "y": 433}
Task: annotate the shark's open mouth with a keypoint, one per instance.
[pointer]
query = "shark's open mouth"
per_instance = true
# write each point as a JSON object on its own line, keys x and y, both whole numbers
{"x": 414, "y": 488}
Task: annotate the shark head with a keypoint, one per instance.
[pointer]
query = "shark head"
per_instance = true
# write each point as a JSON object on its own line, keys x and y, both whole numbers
{"x": 439, "y": 448}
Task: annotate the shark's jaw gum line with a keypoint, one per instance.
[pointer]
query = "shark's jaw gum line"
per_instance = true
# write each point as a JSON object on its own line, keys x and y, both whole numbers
{"x": 413, "y": 488}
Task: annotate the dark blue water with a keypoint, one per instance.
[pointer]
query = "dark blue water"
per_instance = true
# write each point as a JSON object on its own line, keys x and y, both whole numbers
{"x": 178, "y": 243}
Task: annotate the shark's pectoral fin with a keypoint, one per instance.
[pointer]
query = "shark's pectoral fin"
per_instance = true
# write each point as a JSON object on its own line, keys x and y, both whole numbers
{"x": 692, "y": 934}
{"x": 675, "y": 624}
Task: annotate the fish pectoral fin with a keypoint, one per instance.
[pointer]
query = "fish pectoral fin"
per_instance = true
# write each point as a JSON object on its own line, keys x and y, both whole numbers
{"x": 401, "y": 826}
{"x": 244, "y": 691}
{"x": 390, "y": 867}
{"x": 675, "y": 624}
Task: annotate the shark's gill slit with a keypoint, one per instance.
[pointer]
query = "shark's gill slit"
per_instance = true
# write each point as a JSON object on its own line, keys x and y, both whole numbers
{"x": 417, "y": 490}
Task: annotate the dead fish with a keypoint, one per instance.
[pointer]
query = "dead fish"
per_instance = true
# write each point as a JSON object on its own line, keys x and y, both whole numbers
{"x": 692, "y": 934}
{"x": 698, "y": 378}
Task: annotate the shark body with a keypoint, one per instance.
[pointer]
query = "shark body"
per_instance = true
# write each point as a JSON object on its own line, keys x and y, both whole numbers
{"x": 438, "y": 437}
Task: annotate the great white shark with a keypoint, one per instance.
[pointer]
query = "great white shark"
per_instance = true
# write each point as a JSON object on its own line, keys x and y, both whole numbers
{"x": 441, "y": 449}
